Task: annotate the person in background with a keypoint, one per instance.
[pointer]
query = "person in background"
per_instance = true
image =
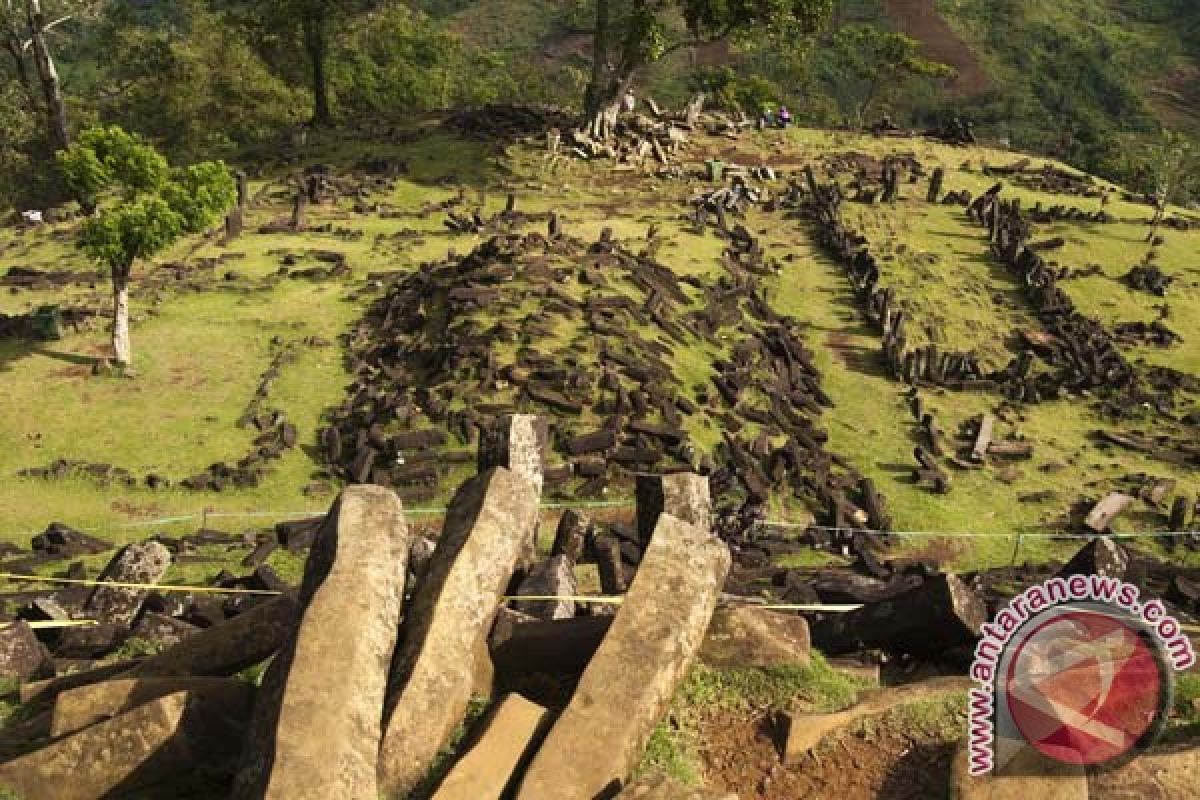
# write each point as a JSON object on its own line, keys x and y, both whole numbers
{"x": 785, "y": 117}
{"x": 629, "y": 101}
{"x": 768, "y": 115}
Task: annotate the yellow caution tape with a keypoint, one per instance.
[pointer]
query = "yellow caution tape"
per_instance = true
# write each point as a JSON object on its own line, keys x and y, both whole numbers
{"x": 56, "y": 623}
{"x": 158, "y": 587}
{"x": 599, "y": 599}
{"x": 615, "y": 601}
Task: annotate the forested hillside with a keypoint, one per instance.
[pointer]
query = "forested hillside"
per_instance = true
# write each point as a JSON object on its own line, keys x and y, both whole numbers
{"x": 1089, "y": 81}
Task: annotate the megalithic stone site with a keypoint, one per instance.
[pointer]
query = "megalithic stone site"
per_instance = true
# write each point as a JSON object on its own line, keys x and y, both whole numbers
{"x": 515, "y": 400}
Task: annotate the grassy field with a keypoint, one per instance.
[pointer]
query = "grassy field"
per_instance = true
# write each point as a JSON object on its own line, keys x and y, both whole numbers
{"x": 200, "y": 350}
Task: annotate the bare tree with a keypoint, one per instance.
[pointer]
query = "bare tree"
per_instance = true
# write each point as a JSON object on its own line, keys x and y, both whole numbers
{"x": 1168, "y": 166}
{"x": 56, "y": 108}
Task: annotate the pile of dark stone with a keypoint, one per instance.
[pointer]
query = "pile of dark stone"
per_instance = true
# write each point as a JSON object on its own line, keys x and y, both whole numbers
{"x": 1060, "y": 213}
{"x": 456, "y": 329}
{"x": 502, "y": 221}
{"x": 953, "y": 131}
{"x": 1148, "y": 278}
{"x": 1048, "y": 178}
{"x": 507, "y": 122}
{"x": 25, "y": 326}
{"x": 102, "y": 474}
{"x": 1081, "y": 352}
{"x": 927, "y": 365}
{"x": 286, "y": 353}
{"x": 31, "y": 278}
{"x": 1154, "y": 333}
{"x": 276, "y": 436}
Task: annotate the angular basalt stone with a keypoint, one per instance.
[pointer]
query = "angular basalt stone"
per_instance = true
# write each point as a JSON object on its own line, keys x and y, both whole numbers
{"x": 942, "y": 612}
{"x": 49, "y": 688}
{"x": 753, "y": 637}
{"x": 76, "y": 709}
{"x": 22, "y": 656}
{"x": 553, "y": 577}
{"x": 510, "y": 735}
{"x": 571, "y": 535}
{"x": 518, "y": 443}
{"x": 487, "y": 526}
{"x": 144, "y": 563}
{"x": 230, "y": 646}
{"x": 599, "y": 738}
{"x": 683, "y": 495}
{"x": 1101, "y": 556}
{"x": 156, "y": 742}
{"x": 313, "y": 737}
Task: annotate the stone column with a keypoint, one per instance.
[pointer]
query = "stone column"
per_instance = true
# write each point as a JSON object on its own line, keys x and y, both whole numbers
{"x": 682, "y": 495}
{"x": 488, "y": 524}
{"x": 317, "y": 722}
{"x": 654, "y": 638}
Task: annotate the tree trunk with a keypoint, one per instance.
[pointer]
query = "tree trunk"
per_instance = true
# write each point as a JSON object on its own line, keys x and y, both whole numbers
{"x": 315, "y": 44}
{"x": 12, "y": 43}
{"x": 602, "y": 98}
{"x": 122, "y": 349}
{"x": 56, "y": 109}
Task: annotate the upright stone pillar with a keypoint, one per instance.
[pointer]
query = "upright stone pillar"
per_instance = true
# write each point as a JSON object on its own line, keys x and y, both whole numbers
{"x": 598, "y": 740}
{"x": 487, "y": 526}
{"x": 518, "y": 442}
{"x": 683, "y": 495}
{"x": 317, "y": 722}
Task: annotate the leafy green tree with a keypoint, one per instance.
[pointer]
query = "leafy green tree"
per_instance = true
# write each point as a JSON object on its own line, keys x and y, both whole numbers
{"x": 310, "y": 26}
{"x": 149, "y": 207}
{"x": 628, "y": 35}
{"x": 872, "y": 64}
{"x": 190, "y": 83}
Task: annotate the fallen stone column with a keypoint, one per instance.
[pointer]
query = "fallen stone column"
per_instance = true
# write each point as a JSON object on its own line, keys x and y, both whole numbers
{"x": 941, "y": 613}
{"x": 76, "y": 709}
{"x": 317, "y": 722}
{"x": 156, "y": 742}
{"x": 229, "y": 647}
{"x": 488, "y": 524}
{"x": 597, "y": 741}
{"x": 141, "y": 563}
{"x": 510, "y": 735}
{"x": 806, "y": 730}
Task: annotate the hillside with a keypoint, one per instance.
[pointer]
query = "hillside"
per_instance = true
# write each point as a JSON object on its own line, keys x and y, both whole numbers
{"x": 215, "y": 317}
{"x": 1072, "y": 80}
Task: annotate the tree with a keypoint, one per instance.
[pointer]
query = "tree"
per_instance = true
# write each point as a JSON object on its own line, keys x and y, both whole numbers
{"x": 1168, "y": 166}
{"x": 872, "y": 64}
{"x": 153, "y": 206}
{"x": 311, "y": 25}
{"x": 630, "y": 34}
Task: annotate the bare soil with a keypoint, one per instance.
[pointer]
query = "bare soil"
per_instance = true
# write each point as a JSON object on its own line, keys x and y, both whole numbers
{"x": 920, "y": 20}
{"x": 741, "y": 753}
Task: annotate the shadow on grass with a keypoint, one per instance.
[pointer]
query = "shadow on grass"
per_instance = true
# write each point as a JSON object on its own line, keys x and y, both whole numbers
{"x": 70, "y": 358}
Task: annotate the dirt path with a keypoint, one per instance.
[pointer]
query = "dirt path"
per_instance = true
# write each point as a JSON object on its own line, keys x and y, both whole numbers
{"x": 920, "y": 20}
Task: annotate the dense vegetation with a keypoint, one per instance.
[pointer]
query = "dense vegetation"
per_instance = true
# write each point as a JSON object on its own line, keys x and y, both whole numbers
{"x": 1090, "y": 81}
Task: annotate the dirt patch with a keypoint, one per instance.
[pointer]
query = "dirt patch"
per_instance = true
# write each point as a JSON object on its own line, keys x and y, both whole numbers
{"x": 1176, "y": 98}
{"x": 920, "y": 20}
{"x": 135, "y": 510}
{"x": 741, "y": 754}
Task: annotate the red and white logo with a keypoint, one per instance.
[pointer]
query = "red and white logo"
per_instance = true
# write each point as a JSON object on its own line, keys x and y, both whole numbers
{"x": 1084, "y": 685}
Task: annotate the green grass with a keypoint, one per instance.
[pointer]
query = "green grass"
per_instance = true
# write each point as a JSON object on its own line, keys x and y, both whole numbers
{"x": 199, "y": 354}
{"x": 672, "y": 746}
